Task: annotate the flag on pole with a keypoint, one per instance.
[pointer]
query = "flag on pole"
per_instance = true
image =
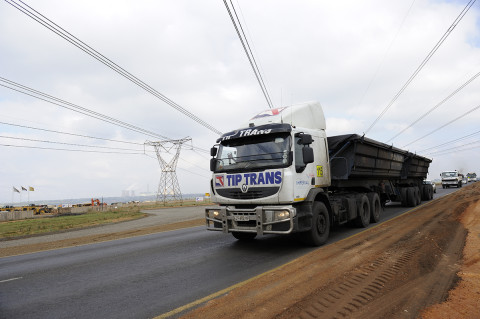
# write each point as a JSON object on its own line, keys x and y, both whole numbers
{"x": 15, "y": 190}
{"x": 24, "y": 189}
{"x": 30, "y": 188}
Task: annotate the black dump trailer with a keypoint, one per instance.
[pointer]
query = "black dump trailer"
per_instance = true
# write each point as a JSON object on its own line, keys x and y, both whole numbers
{"x": 361, "y": 167}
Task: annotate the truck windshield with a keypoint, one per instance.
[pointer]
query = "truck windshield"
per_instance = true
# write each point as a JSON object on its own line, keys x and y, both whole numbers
{"x": 259, "y": 152}
{"x": 449, "y": 174}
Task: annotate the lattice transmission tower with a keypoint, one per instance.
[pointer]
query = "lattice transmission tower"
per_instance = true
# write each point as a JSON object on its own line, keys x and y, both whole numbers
{"x": 168, "y": 187}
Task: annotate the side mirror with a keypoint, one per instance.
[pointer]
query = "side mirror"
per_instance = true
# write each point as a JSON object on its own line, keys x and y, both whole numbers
{"x": 306, "y": 139}
{"x": 213, "y": 164}
{"x": 213, "y": 151}
{"x": 307, "y": 153}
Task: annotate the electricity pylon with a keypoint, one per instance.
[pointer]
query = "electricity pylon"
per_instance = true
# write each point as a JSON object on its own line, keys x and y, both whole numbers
{"x": 168, "y": 187}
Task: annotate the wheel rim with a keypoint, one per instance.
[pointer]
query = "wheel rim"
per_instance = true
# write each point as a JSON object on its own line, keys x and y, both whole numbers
{"x": 321, "y": 224}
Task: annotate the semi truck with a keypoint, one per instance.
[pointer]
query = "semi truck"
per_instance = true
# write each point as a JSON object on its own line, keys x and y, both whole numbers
{"x": 281, "y": 174}
{"x": 451, "y": 178}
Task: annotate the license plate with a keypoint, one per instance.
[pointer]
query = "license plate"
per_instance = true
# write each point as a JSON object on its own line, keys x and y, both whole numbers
{"x": 241, "y": 218}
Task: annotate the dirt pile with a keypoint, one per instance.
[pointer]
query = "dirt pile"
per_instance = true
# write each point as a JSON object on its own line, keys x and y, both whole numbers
{"x": 394, "y": 270}
{"x": 464, "y": 300}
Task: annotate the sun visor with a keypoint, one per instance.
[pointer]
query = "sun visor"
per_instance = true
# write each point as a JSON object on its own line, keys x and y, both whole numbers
{"x": 254, "y": 131}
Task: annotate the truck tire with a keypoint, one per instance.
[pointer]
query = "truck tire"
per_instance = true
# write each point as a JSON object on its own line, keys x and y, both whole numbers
{"x": 403, "y": 194}
{"x": 244, "y": 236}
{"x": 427, "y": 192}
{"x": 375, "y": 207}
{"x": 363, "y": 212}
{"x": 411, "y": 197}
{"x": 320, "y": 230}
{"x": 417, "y": 195}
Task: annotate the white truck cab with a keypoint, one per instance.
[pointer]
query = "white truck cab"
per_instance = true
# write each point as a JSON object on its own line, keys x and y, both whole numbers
{"x": 451, "y": 179}
{"x": 261, "y": 170}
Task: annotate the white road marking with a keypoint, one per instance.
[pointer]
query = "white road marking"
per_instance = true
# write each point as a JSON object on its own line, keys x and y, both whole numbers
{"x": 11, "y": 279}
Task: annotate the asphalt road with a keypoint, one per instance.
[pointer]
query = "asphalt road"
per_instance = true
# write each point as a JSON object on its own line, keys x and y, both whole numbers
{"x": 145, "y": 276}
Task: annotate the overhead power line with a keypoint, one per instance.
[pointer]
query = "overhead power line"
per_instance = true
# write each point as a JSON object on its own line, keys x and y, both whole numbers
{"x": 64, "y": 143}
{"x": 446, "y": 124}
{"x": 71, "y": 134}
{"x": 73, "y": 107}
{"x": 47, "y": 23}
{"x": 436, "y": 106}
{"x": 385, "y": 54}
{"x": 420, "y": 67}
{"x": 246, "y": 46}
{"x": 79, "y": 109}
{"x": 69, "y": 149}
{"x": 452, "y": 141}
{"x": 451, "y": 149}
{"x": 193, "y": 148}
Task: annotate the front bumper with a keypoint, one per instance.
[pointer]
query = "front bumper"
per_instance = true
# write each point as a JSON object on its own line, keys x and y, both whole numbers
{"x": 260, "y": 220}
{"x": 453, "y": 182}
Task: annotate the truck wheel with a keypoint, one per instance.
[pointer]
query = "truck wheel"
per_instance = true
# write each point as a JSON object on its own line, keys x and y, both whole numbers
{"x": 363, "y": 212}
{"x": 318, "y": 234}
{"x": 425, "y": 192}
{"x": 244, "y": 236}
{"x": 417, "y": 195}
{"x": 411, "y": 197}
{"x": 403, "y": 194}
{"x": 375, "y": 207}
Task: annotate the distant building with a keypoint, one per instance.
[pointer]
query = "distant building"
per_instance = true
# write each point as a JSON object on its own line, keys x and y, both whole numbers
{"x": 128, "y": 193}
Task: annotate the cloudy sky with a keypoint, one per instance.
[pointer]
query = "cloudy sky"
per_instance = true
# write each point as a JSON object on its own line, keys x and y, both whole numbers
{"x": 354, "y": 57}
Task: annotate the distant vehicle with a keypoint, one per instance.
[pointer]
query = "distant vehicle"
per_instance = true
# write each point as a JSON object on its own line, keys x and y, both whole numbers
{"x": 464, "y": 181}
{"x": 451, "y": 178}
{"x": 472, "y": 177}
{"x": 429, "y": 182}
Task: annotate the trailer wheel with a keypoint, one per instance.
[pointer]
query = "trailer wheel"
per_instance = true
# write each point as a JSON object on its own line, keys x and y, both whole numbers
{"x": 244, "y": 236}
{"x": 417, "y": 195}
{"x": 375, "y": 207}
{"x": 411, "y": 197}
{"x": 403, "y": 194}
{"x": 363, "y": 212}
{"x": 318, "y": 233}
{"x": 427, "y": 192}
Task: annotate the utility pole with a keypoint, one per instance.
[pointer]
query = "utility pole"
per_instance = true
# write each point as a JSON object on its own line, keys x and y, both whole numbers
{"x": 168, "y": 187}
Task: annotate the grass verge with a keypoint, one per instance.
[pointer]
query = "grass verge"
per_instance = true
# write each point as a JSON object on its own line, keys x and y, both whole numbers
{"x": 28, "y": 227}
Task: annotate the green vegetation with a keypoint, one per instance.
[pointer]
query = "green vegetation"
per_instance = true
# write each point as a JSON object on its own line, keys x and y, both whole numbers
{"x": 35, "y": 226}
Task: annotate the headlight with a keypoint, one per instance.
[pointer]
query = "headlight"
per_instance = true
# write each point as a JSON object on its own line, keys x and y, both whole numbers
{"x": 282, "y": 214}
{"x": 214, "y": 214}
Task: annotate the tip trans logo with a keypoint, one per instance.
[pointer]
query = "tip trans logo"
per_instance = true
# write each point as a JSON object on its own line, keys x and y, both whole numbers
{"x": 250, "y": 179}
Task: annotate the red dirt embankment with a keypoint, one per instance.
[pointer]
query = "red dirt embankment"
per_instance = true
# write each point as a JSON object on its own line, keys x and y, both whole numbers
{"x": 426, "y": 263}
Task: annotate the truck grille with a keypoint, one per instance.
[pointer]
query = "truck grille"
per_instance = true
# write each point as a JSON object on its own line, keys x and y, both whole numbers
{"x": 254, "y": 193}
